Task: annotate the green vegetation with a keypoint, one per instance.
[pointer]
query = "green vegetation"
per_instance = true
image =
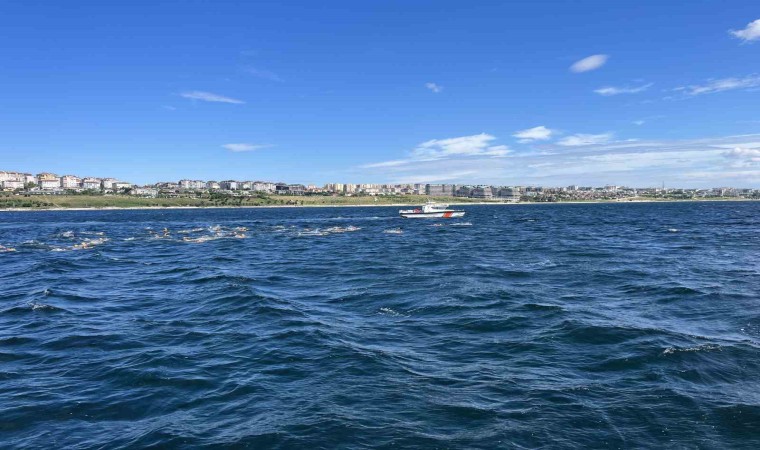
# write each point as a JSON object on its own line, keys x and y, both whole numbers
{"x": 9, "y": 200}
{"x": 25, "y": 201}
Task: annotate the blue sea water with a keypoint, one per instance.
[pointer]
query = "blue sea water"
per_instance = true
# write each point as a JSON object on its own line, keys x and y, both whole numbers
{"x": 521, "y": 326}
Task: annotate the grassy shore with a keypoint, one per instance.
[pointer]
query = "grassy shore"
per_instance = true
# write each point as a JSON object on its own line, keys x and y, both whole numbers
{"x": 124, "y": 201}
{"x": 42, "y": 202}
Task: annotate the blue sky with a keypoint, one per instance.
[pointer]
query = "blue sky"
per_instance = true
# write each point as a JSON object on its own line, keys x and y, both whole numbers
{"x": 517, "y": 93}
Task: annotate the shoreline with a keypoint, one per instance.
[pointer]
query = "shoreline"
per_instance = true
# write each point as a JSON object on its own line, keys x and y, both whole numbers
{"x": 369, "y": 205}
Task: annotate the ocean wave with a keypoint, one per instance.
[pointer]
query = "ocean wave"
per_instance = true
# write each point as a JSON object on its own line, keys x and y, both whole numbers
{"x": 699, "y": 348}
{"x": 327, "y": 231}
{"x": 192, "y": 230}
{"x": 391, "y": 312}
{"x": 502, "y": 334}
{"x": 44, "y": 307}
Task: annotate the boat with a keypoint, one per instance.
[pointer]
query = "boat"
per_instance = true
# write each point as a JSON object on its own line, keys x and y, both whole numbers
{"x": 431, "y": 210}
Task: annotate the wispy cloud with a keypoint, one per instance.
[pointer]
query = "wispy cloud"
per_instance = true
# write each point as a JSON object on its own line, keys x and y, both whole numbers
{"x": 720, "y": 85}
{"x": 210, "y": 97}
{"x": 743, "y": 157}
{"x": 592, "y": 62}
{"x": 638, "y": 163}
{"x": 639, "y": 122}
{"x": 578, "y": 140}
{"x": 265, "y": 74}
{"x": 475, "y": 145}
{"x": 243, "y": 147}
{"x": 750, "y": 33}
{"x": 434, "y": 87}
{"x": 539, "y": 133}
{"x": 391, "y": 163}
{"x": 611, "y": 90}
{"x": 169, "y": 108}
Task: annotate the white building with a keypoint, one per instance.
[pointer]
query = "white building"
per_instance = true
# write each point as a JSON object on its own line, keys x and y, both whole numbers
{"x": 90, "y": 183}
{"x": 107, "y": 183}
{"x": 192, "y": 184}
{"x": 229, "y": 185}
{"x": 12, "y": 184}
{"x": 263, "y": 186}
{"x": 70, "y": 182}
{"x": 49, "y": 184}
{"x": 213, "y": 185}
{"x": 11, "y": 176}
{"x": 119, "y": 185}
{"x": 48, "y": 181}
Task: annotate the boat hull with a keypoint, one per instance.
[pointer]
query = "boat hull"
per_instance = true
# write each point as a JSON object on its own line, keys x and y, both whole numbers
{"x": 432, "y": 215}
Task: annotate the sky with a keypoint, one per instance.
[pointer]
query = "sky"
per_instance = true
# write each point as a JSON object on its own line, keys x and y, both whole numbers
{"x": 550, "y": 93}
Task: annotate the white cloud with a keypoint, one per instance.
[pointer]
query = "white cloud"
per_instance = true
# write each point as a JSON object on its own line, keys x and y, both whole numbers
{"x": 497, "y": 150}
{"x": 434, "y": 87}
{"x": 726, "y": 177}
{"x": 639, "y": 122}
{"x": 461, "y": 148}
{"x": 265, "y": 74}
{"x": 210, "y": 97}
{"x": 641, "y": 163}
{"x": 746, "y": 156}
{"x": 611, "y": 90}
{"x": 475, "y": 145}
{"x": 540, "y": 133}
{"x": 740, "y": 144}
{"x": 750, "y": 33}
{"x": 242, "y": 147}
{"x": 578, "y": 140}
{"x": 592, "y": 62}
{"x": 723, "y": 84}
{"x": 392, "y": 163}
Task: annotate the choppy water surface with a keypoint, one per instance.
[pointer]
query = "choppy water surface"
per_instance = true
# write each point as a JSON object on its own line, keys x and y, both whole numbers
{"x": 521, "y": 326}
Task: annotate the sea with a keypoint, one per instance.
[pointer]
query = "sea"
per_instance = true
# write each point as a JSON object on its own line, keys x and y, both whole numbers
{"x": 517, "y": 326}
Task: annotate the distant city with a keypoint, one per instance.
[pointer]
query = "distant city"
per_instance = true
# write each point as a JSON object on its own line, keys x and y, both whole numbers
{"x": 51, "y": 184}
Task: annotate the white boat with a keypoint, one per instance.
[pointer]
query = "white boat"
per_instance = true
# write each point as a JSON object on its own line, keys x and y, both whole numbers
{"x": 431, "y": 210}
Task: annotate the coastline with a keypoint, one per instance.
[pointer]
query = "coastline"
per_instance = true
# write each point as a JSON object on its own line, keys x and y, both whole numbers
{"x": 370, "y": 205}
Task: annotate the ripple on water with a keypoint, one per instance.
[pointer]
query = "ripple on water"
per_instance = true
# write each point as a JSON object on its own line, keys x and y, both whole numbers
{"x": 527, "y": 326}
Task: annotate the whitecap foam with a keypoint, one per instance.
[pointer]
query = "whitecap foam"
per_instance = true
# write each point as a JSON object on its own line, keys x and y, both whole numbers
{"x": 389, "y": 311}
{"x": 308, "y": 232}
{"x": 699, "y": 348}
{"x": 201, "y": 239}
{"x": 42, "y": 307}
{"x": 347, "y": 229}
